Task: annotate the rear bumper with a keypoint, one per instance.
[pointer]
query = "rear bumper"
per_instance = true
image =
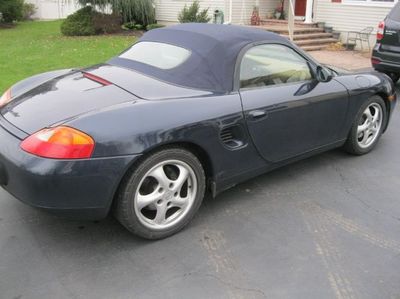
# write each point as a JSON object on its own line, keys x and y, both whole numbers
{"x": 77, "y": 188}
{"x": 388, "y": 61}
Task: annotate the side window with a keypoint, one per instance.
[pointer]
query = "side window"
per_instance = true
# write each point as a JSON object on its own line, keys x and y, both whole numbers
{"x": 272, "y": 64}
{"x": 395, "y": 13}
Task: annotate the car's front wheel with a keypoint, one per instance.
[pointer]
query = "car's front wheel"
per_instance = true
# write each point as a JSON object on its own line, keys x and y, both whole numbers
{"x": 160, "y": 196}
{"x": 367, "y": 127}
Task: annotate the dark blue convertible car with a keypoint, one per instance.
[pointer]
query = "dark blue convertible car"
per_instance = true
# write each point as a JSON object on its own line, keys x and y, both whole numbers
{"x": 189, "y": 109}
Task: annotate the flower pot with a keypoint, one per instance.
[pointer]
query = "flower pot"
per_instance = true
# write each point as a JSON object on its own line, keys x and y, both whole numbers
{"x": 350, "y": 47}
{"x": 278, "y": 15}
{"x": 328, "y": 29}
{"x": 321, "y": 24}
{"x": 336, "y": 34}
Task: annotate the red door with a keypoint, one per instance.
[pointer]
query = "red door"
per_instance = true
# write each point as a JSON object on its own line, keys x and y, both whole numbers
{"x": 300, "y": 8}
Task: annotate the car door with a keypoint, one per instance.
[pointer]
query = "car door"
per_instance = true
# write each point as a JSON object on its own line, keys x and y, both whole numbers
{"x": 288, "y": 112}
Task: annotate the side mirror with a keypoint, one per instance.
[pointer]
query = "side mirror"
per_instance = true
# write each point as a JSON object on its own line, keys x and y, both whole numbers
{"x": 324, "y": 74}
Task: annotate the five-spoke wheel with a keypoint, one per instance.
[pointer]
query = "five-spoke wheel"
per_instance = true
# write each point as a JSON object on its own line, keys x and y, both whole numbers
{"x": 367, "y": 127}
{"x": 165, "y": 194}
{"x": 161, "y": 194}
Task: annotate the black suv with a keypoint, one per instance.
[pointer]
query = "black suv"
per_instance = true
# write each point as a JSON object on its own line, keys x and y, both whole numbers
{"x": 386, "y": 53}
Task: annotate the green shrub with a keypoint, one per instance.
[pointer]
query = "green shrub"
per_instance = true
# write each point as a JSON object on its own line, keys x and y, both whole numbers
{"x": 79, "y": 23}
{"x": 105, "y": 23}
{"x": 153, "y": 26}
{"x": 87, "y": 21}
{"x": 28, "y": 10}
{"x": 129, "y": 26}
{"x": 192, "y": 14}
{"x": 11, "y": 10}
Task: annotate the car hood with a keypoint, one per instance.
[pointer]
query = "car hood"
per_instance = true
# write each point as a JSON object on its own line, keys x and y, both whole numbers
{"x": 58, "y": 99}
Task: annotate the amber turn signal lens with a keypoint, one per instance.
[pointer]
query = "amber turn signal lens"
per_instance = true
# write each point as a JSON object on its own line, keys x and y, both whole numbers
{"x": 59, "y": 143}
{"x": 6, "y": 98}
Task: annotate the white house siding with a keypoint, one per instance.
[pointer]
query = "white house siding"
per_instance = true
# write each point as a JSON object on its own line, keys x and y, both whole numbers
{"x": 242, "y": 9}
{"x": 53, "y": 9}
{"x": 345, "y": 17}
{"x": 167, "y": 10}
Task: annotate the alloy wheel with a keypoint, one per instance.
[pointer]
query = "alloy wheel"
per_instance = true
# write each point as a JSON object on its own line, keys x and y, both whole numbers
{"x": 370, "y": 125}
{"x": 165, "y": 194}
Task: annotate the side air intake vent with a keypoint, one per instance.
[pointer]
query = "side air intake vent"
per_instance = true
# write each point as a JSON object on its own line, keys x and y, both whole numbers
{"x": 226, "y": 135}
{"x": 232, "y": 137}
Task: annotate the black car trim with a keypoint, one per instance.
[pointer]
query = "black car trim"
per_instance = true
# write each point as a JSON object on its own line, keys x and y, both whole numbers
{"x": 6, "y": 125}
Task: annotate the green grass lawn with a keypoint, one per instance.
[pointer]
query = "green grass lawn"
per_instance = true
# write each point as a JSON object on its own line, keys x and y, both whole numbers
{"x": 35, "y": 47}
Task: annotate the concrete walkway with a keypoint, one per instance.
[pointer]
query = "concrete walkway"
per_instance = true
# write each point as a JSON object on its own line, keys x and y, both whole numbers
{"x": 348, "y": 60}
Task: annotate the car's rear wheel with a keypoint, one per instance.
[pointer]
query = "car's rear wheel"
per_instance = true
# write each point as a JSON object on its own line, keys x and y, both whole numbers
{"x": 161, "y": 194}
{"x": 367, "y": 127}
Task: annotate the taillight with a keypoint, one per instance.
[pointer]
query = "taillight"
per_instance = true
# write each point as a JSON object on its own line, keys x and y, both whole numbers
{"x": 6, "y": 98}
{"x": 381, "y": 31}
{"x": 59, "y": 143}
{"x": 375, "y": 61}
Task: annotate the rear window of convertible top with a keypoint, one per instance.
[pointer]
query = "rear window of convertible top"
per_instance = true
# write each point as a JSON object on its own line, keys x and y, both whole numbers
{"x": 160, "y": 55}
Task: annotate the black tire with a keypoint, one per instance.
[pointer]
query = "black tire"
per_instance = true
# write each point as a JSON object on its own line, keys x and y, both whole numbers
{"x": 394, "y": 76}
{"x": 124, "y": 206}
{"x": 352, "y": 145}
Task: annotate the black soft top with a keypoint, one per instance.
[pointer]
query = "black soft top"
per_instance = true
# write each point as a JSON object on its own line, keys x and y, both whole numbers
{"x": 214, "y": 48}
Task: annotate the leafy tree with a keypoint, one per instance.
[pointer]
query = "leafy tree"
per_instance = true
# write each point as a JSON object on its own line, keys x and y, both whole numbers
{"x": 192, "y": 14}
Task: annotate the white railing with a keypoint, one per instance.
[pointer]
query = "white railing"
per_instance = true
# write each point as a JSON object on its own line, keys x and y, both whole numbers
{"x": 291, "y": 20}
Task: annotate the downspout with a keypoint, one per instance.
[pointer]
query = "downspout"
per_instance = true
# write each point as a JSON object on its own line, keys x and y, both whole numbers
{"x": 230, "y": 13}
{"x": 309, "y": 12}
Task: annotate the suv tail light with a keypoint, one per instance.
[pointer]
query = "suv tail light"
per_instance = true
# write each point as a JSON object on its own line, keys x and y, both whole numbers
{"x": 375, "y": 61}
{"x": 381, "y": 31}
{"x": 59, "y": 143}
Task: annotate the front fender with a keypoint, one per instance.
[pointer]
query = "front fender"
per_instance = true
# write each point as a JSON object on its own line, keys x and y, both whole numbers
{"x": 361, "y": 87}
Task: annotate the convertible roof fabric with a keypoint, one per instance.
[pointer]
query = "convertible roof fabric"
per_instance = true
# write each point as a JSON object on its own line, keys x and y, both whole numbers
{"x": 214, "y": 48}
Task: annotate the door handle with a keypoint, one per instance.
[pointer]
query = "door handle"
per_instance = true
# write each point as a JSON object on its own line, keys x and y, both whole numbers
{"x": 257, "y": 114}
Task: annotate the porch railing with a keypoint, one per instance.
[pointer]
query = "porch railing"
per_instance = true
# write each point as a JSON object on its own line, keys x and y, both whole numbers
{"x": 291, "y": 19}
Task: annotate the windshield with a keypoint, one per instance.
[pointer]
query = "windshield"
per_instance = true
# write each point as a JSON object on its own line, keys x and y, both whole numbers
{"x": 160, "y": 55}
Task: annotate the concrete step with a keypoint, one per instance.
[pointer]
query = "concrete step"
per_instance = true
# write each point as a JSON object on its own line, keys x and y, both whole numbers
{"x": 308, "y": 38}
{"x": 311, "y": 42}
{"x": 285, "y": 23}
{"x": 298, "y": 30}
{"x": 304, "y": 36}
{"x": 318, "y": 35}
